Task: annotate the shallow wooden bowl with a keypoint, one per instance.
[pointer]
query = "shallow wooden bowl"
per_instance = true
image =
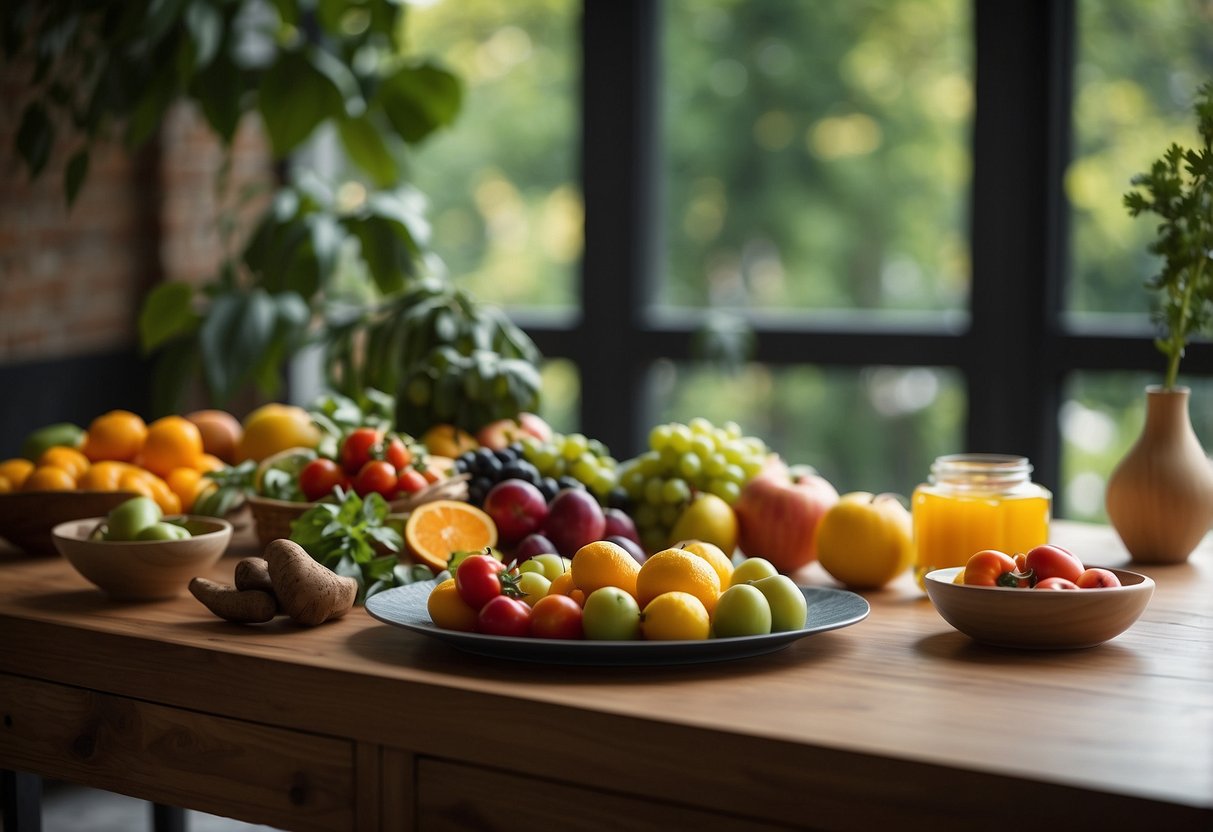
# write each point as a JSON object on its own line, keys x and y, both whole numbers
{"x": 1039, "y": 619}
{"x": 143, "y": 570}
{"x": 27, "y": 517}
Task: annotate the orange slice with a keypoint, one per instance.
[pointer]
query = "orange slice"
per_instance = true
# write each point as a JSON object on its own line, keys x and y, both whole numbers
{"x": 436, "y": 529}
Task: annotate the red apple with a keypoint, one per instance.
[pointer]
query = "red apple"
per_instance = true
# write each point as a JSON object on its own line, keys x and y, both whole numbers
{"x": 777, "y": 517}
{"x": 1096, "y": 578}
{"x": 535, "y": 425}
{"x": 574, "y": 519}
{"x": 531, "y": 545}
{"x": 517, "y": 507}
{"x": 500, "y": 433}
{"x": 620, "y": 524}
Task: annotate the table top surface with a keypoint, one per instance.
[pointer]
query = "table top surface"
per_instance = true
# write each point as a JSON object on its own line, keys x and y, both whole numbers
{"x": 1132, "y": 717}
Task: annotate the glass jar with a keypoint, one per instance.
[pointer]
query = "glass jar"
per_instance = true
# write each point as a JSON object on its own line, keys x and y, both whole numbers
{"x": 973, "y": 502}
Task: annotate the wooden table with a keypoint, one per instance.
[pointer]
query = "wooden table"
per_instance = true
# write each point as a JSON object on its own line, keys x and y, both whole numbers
{"x": 356, "y": 725}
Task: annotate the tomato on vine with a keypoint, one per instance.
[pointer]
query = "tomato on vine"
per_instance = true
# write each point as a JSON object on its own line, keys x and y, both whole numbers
{"x": 376, "y": 476}
{"x": 478, "y": 578}
{"x": 411, "y": 481}
{"x": 504, "y": 616}
{"x": 358, "y": 448}
{"x": 319, "y": 477}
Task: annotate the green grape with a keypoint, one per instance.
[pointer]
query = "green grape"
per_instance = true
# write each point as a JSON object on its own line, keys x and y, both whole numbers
{"x": 701, "y": 425}
{"x": 675, "y": 492}
{"x": 680, "y": 438}
{"x": 689, "y": 465}
{"x": 653, "y": 490}
{"x": 715, "y": 465}
{"x": 659, "y": 437}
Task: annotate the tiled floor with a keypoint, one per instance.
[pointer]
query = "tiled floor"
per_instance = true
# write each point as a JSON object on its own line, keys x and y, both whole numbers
{"x": 75, "y": 809}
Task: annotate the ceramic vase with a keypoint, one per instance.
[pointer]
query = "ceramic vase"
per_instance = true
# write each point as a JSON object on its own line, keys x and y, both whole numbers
{"x": 1160, "y": 497}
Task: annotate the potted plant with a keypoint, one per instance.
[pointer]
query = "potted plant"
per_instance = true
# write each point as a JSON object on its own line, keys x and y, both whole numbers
{"x": 1160, "y": 496}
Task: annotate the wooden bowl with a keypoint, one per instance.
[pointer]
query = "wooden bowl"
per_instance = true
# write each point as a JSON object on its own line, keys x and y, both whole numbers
{"x": 143, "y": 570}
{"x": 27, "y": 517}
{"x": 1039, "y": 619}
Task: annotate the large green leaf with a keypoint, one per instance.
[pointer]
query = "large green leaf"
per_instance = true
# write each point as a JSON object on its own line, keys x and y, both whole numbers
{"x": 388, "y": 250}
{"x": 35, "y": 137}
{"x": 234, "y": 337}
{"x": 365, "y": 146}
{"x": 205, "y": 26}
{"x": 294, "y": 99}
{"x": 420, "y": 99}
{"x": 218, "y": 89}
{"x": 166, "y": 314}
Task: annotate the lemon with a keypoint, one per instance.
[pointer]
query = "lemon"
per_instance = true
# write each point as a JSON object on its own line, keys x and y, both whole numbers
{"x": 675, "y": 616}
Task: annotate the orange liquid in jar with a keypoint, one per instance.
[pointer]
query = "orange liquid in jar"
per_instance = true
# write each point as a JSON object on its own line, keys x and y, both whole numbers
{"x": 951, "y": 524}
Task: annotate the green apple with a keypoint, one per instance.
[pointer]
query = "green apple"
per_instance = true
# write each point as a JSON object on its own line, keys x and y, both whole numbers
{"x": 127, "y": 519}
{"x": 534, "y": 585}
{"x": 789, "y": 609}
{"x": 162, "y": 531}
{"x": 742, "y": 610}
{"x": 550, "y": 565}
{"x": 611, "y": 614}
{"x": 753, "y": 569}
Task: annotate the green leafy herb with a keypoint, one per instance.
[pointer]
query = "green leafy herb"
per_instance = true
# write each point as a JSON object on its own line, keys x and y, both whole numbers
{"x": 1179, "y": 189}
{"x": 352, "y": 537}
{"x": 235, "y": 483}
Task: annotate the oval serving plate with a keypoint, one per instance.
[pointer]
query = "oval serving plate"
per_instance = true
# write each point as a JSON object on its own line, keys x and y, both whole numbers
{"x": 829, "y": 609}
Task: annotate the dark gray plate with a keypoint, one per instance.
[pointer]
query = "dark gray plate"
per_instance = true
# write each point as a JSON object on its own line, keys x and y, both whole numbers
{"x": 829, "y": 609}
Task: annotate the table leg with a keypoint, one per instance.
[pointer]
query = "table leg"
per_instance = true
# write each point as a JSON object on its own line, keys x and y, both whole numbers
{"x": 21, "y": 798}
{"x": 168, "y": 818}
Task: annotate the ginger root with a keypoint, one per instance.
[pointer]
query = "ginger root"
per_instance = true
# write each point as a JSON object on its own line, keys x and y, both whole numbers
{"x": 242, "y": 606}
{"x": 309, "y": 592}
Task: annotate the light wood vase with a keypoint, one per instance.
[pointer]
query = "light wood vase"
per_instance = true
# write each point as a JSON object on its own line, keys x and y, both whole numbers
{"x": 1160, "y": 497}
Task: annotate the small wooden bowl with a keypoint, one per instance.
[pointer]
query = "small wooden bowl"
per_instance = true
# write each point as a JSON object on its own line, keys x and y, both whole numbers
{"x": 1039, "y": 619}
{"x": 27, "y": 517}
{"x": 143, "y": 570}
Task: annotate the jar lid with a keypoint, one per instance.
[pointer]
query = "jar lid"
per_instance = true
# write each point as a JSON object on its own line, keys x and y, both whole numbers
{"x": 981, "y": 471}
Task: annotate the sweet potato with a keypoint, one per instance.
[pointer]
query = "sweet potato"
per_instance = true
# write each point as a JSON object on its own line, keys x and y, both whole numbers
{"x": 307, "y": 591}
{"x": 242, "y": 606}
{"x": 254, "y": 573}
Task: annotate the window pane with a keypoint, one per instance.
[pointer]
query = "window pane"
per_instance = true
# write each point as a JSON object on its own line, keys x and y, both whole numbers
{"x": 505, "y": 204}
{"x": 817, "y": 154}
{"x": 876, "y": 430}
{"x": 1100, "y": 420}
{"x": 1139, "y": 63}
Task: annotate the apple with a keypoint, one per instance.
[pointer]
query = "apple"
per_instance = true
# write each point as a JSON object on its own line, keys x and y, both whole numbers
{"x": 574, "y": 519}
{"x": 548, "y": 564}
{"x": 752, "y": 569}
{"x": 611, "y": 614}
{"x": 789, "y": 609}
{"x": 131, "y": 517}
{"x": 620, "y": 524}
{"x": 533, "y": 544}
{"x": 778, "y": 514}
{"x": 742, "y": 610}
{"x": 630, "y": 546}
{"x": 709, "y": 518}
{"x": 1096, "y": 578}
{"x": 161, "y": 530}
{"x": 517, "y": 508}
{"x": 865, "y": 540}
{"x": 535, "y": 425}
{"x": 533, "y": 586}
{"x": 1056, "y": 583}
{"x": 1052, "y": 561}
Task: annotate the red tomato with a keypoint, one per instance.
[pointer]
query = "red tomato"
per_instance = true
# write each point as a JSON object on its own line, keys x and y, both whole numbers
{"x": 411, "y": 481}
{"x": 1049, "y": 561}
{"x": 1096, "y": 578}
{"x": 478, "y": 579}
{"x": 319, "y": 477}
{"x": 1056, "y": 583}
{"x": 358, "y": 448}
{"x": 397, "y": 453}
{"x": 990, "y": 567}
{"x": 556, "y": 616}
{"x": 376, "y": 476}
{"x": 504, "y": 616}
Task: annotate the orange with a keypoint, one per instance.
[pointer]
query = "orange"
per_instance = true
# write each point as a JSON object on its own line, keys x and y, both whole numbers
{"x": 714, "y": 555}
{"x": 49, "y": 478}
{"x": 5, "y": 485}
{"x": 171, "y": 442}
{"x": 187, "y": 484}
{"x": 209, "y": 462}
{"x": 274, "y": 427}
{"x": 15, "y": 470}
{"x": 677, "y": 570}
{"x": 675, "y": 616}
{"x": 103, "y": 476}
{"x": 118, "y": 435}
{"x": 603, "y": 563}
{"x": 220, "y": 432}
{"x": 448, "y": 440}
{"x": 435, "y": 529}
{"x": 563, "y": 585}
{"x": 69, "y": 459}
{"x": 148, "y": 484}
{"x": 449, "y": 611}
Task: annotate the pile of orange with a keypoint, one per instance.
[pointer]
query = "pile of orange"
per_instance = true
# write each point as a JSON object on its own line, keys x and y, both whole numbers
{"x": 164, "y": 460}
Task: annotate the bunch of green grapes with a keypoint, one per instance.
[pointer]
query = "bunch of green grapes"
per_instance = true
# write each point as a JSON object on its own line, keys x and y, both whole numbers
{"x": 574, "y": 455}
{"x": 681, "y": 461}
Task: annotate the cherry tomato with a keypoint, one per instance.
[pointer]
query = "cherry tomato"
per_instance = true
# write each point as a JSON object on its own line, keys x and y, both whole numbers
{"x": 376, "y": 476}
{"x": 990, "y": 567}
{"x": 358, "y": 448}
{"x": 556, "y": 616}
{"x": 397, "y": 453}
{"x": 478, "y": 578}
{"x": 504, "y": 616}
{"x": 1056, "y": 583}
{"x": 411, "y": 481}
{"x": 319, "y": 477}
{"x": 1049, "y": 561}
{"x": 1096, "y": 578}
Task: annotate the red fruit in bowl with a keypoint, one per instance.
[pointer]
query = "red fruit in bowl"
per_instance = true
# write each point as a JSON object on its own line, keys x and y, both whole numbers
{"x": 574, "y": 519}
{"x": 620, "y": 524}
{"x": 517, "y": 508}
{"x": 1096, "y": 578}
{"x": 778, "y": 514}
